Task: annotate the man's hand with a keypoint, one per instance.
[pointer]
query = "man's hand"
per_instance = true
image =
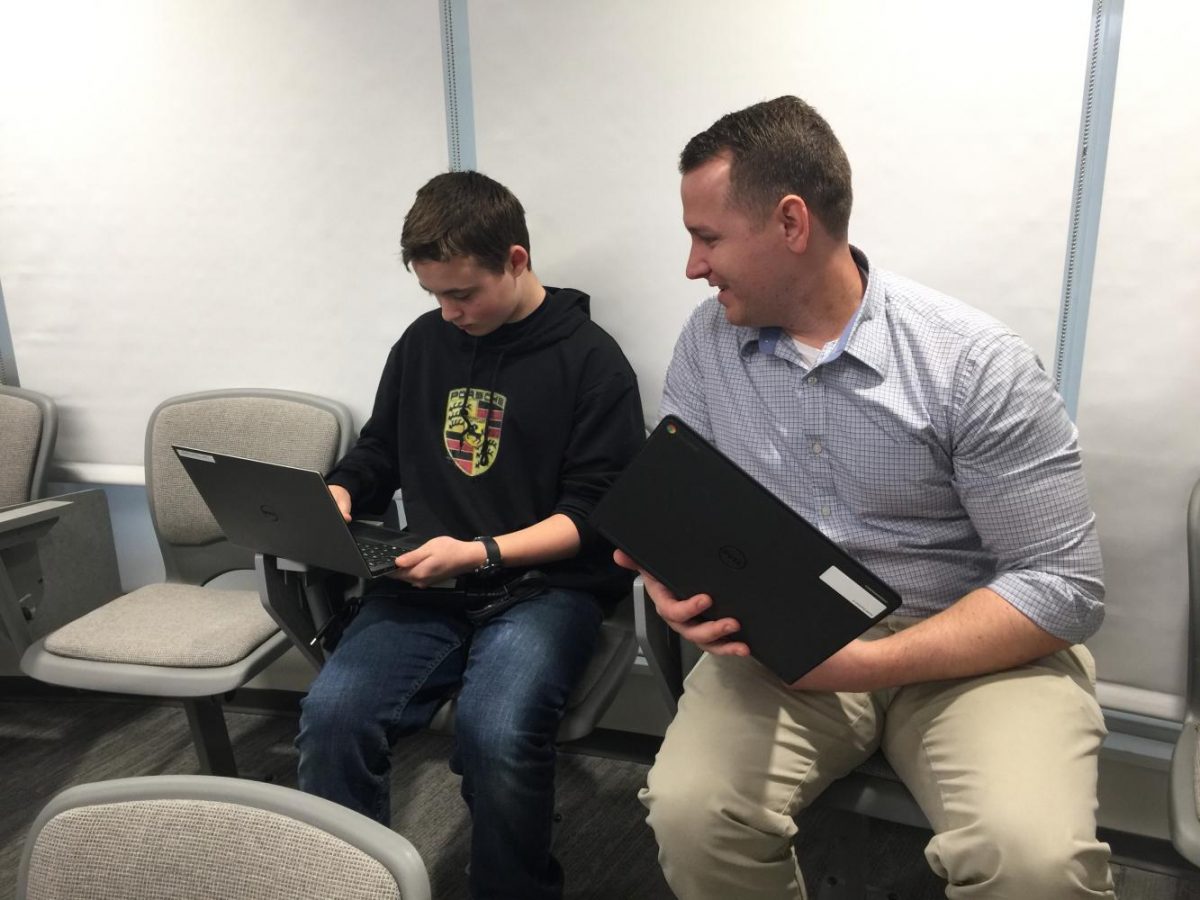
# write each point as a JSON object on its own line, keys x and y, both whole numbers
{"x": 681, "y": 615}
{"x": 341, "y": 497}
{"x": 439, "y": 559}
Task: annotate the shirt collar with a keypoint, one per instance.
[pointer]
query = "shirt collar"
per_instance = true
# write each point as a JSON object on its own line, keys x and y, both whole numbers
{"x": 864, "y": 337}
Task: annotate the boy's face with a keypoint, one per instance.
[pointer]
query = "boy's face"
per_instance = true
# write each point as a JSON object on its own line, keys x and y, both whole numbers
{"x": 472, "y": 298}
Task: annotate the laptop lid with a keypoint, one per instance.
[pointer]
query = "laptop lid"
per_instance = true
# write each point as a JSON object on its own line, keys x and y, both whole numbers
{"x": 697, "y": 522}
{"x": 286, "y": 512}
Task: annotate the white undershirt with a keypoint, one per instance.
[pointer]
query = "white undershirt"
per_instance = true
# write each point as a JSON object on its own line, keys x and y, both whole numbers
{"x": 808, "y": 353}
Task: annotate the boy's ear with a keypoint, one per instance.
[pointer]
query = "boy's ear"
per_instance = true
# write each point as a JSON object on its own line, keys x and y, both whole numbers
{"x": 518, "y": 259}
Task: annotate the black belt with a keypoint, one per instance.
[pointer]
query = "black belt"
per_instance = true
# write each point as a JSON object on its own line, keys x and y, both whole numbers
{"x": 478, "y": 599}
{"x": 483, "y": 600}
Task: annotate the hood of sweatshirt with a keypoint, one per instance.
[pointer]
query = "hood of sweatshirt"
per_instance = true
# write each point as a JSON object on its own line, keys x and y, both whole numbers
{"x": 558, "y": 316}
{"x": 561, "y": 312}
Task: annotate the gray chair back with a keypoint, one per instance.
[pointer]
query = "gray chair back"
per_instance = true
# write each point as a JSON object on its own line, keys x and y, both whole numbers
{"x": 1193, "y": 558}
{"x": 285, "y": 427}
{"x": 26, "y": 443}
{"x": 1184, "y": 779}
{"x": 173, "y": 837}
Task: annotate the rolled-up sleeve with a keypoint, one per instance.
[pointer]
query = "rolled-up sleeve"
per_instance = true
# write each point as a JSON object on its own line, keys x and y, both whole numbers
{"x": 1018, "y": 474}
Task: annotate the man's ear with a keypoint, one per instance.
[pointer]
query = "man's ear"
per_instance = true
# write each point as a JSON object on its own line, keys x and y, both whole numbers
{"x": 794, "y": 220}
{"x": 518, "y": 260}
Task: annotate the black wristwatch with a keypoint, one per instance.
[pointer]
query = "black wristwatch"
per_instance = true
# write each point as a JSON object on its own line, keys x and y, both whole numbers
{"x": 492, "y": 563}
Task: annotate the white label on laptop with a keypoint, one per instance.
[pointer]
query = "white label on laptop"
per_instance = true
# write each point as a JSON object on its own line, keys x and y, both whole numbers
{"x": 866, "y": 602}
{"x": 191, "y": 454}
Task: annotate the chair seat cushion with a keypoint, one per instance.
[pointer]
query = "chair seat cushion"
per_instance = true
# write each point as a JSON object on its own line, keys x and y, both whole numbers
{"x": 168, "y": 625}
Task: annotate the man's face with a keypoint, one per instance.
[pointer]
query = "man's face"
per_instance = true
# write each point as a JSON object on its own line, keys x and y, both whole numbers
{"x": 746, "y": 260}
{"x": 472, "y": 298}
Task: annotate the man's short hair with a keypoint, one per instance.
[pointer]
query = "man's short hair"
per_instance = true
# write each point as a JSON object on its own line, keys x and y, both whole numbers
{"x": 779, "y": 147}
{"x": 463, "y": 214}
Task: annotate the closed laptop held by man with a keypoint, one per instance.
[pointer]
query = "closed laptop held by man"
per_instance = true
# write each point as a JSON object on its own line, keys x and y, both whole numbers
{"x": 698, "y": 523}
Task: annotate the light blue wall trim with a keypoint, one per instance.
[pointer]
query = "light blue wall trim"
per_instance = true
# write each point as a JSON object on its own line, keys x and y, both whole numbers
{"x": 456, "y": 71}
{"x": 8, "y": 357}
{"x": 1094, "y": 128}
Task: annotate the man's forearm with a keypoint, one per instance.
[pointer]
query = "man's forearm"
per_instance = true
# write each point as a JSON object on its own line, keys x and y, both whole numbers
{"x": 980, "y": 633}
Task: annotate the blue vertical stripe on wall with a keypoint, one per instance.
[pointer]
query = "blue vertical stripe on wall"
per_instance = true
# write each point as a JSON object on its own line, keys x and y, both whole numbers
{"x": 8, "y": 358}
{"x": 456, "y": 71}
{"x": 1094, "y": 128}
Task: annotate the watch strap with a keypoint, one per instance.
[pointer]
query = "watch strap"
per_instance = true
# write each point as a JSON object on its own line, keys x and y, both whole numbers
{"x": 493, "y": 562}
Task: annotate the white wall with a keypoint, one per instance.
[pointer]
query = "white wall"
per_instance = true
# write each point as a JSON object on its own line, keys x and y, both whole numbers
{"x": 205, "y": 194}
{"x": 208, "y": 194}
{"x": 1139, "y": 410}
{"x": 963, "y": 158}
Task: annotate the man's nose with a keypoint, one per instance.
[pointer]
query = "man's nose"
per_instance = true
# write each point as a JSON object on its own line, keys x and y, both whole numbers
{"x": 697, "y": 265}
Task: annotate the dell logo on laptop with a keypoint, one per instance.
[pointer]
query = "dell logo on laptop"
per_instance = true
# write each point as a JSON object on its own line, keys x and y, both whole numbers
{"x": 732, "y": 557}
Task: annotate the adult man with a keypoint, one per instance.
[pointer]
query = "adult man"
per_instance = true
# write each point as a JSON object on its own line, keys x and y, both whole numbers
{"x": 923, "y": 437}
{"x": 504, "y": 417}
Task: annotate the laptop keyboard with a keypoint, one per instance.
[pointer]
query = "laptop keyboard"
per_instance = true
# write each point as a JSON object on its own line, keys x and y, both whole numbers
{"x": 378, "y": 554}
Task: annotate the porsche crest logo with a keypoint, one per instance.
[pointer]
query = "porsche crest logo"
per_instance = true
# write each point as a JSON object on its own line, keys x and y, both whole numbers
{"x": 474, "y": 420}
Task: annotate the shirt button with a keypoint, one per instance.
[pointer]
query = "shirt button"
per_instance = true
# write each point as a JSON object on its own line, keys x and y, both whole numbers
{"x": 824, "y": 510}
{"x": 816, "y": 447}
{"x": 811, "y": 379}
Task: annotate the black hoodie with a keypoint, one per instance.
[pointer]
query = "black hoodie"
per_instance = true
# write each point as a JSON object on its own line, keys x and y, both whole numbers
{"x": 492, "y": 434}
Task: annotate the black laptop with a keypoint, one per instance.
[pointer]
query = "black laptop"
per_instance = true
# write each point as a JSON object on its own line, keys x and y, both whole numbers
{"x": 288, "y": 512}
{"x": 697, "y": 522}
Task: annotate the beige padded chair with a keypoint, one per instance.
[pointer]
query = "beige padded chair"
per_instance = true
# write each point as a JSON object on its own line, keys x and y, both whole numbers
{"x": 26, "y": 444}
{"x": 187, "y": 837}
{"x": 1185, "y": 763}
{"x": 202, "y": 633}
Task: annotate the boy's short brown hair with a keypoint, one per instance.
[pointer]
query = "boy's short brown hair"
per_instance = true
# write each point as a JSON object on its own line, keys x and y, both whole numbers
{"x": 463, "y": 214}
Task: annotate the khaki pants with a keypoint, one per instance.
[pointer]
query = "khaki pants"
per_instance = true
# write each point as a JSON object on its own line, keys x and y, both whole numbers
{"x": 1004, "y": 767}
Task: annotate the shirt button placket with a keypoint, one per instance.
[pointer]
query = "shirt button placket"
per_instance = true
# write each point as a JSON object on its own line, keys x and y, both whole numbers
{"x": 821, "y": 487}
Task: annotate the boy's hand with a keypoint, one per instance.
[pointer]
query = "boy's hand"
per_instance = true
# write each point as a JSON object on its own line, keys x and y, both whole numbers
{"x": 439, "y": 559}
{"x": 681, "y": 615}
{"x": 341, "y": 497}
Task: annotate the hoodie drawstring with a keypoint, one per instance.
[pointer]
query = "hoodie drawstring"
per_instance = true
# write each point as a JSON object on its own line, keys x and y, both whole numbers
{"x": 485, "y": 449}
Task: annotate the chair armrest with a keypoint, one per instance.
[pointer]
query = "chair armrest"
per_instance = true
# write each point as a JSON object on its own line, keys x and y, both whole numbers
{"x": 659, "y": 645}
{"x": 29, "y": 521}
{"x": 299, "y": 598}
{"x": 21, "y": 576}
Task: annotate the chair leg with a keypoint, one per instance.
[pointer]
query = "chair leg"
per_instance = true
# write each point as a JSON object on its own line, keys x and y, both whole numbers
{"x": 211, "y": 736}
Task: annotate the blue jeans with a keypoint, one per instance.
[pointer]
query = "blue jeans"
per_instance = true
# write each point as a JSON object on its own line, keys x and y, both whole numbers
{"x": 395, "y": 666}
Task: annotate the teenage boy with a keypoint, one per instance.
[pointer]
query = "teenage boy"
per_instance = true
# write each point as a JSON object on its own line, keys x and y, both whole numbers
{"x": 924, "y": 437}
{"x": 503, "y": 415}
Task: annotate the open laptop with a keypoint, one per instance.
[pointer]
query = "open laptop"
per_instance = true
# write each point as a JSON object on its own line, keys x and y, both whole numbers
{"x": 700, "y": 524}
{"x": 288, "y": 512}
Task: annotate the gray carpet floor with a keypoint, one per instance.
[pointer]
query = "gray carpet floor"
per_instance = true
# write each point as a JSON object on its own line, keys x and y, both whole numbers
{"x": 603, "y": 843}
